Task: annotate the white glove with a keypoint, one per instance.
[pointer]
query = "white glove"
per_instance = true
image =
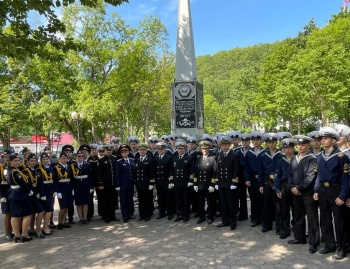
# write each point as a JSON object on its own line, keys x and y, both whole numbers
{"x": 54, "y": 194}
{"x": 217, "y": 187}
{"x": 233, "y": 187}
{"x": 38, "y": 196}
{"x": 43, "y": 198}
{"x": 3, "y": 200}
{"x": 171, "y": 185}
{"x": 150, "y": 187}
{"x": 59, "y": 195}
{"x": 31, "y": 193}
{"x": 91, "y": 190}
{"x": 117, "y": 189}
{"x": 189, "y": 184}
{"x": 211, "y": 189}
{"x": 195, "y": 188}
{"x": 72, "y": 192}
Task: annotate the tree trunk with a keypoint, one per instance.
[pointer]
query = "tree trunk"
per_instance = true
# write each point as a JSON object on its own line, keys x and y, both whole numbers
{"x": 5, "y": 138}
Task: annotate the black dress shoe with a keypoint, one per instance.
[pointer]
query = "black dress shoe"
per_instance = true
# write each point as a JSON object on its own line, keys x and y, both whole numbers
{"x": 72, "y": 222}
{"x": 115, "y": 219}
{"x": 125, "y": 220}
{"x": 140, "y": 219}
{"x": 209, "y": 221}
{"x": 147, "y": 219}
{"x": 264, "y": 230}
{"x": 278, "y": 232}
{"x": 284, "y": 236}
{"x": 32, "y": 233}
{"x": 26, "y": 239}
{"x": 160, "y": 217}
{"x": 170, "y": 217}
{"x": 338, "y": 257}
{"x": 59, "y": 227}
{"x": 186, "y": 219}
{"x": 200, "y": 220}
{"x": 296, "y": 241}
{"x": 178, "y": 219}
{"x": 66, "y": 225}
{"x": 196, "y": 215}
{"x": 326, "y": 250}
{"x": 233, "y": 227}
{"x": 312, "y": 249}
{"x": 222, "y": 225}
{"x": 106, "y": 221}
{"x": 17, "y": 239}
{"x": 255, "y": 223}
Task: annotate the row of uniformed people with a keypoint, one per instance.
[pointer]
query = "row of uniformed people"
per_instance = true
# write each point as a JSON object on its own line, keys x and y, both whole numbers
{"x": 305, "y": 183}
{"x": 40, "y": 183}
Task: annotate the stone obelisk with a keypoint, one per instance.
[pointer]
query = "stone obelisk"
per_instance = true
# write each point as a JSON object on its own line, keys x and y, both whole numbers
{"x": 186, "y": 92}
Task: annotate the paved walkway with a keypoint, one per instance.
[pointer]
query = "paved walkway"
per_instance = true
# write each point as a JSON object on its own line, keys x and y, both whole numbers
{"x": 161, "y": 244}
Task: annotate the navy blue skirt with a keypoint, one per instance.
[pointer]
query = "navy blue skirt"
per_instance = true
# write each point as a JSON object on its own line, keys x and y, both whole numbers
{"x": 37, "y": 205}
{"x": 82, "y": 196}
{"x": 5, "y": 208}
{"x": 48, "y": 204}
{"x": 20, "y": 208}
{"x": 66, "y": 201}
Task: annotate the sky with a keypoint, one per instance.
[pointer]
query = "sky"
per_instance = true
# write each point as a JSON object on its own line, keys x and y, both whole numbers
{"x": 227, "y": 24}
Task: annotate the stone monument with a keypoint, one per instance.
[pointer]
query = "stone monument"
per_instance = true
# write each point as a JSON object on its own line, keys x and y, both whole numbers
{"x": 186, "y": 92}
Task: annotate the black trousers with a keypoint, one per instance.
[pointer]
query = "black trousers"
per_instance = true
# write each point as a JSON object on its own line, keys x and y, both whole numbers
{"x": 91, "y": 208}
{"x": 71, "y": 211}
{"x": 126, "y": 202}
{"x": 100, "y": 202}
{"x": 286, "y": 206}
{"x": 210, "y": 198}
{"x": 256, "y": 204}
{"x": 193, "y": 200}
{"x": 227, "y": 206}
{"x": 347, "y": 224}
{"x": 328, "y": 211}
{"x": 166, "y": 200}
{"x": 241, "y": 200}
{"x": 109, "y": 194}
{"x": 306, "y": 205}
{"x": 145, "y": 198}
{"x": 268, "y": 206}
{"x": 182, "y": 201}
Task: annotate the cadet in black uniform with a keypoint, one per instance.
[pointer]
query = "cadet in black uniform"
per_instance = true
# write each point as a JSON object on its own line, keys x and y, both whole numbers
{"x": 241, "y": 197}
{"x": 19, "y": 199}
{"x": 301, "y": 179}
{"x": 282, "y": 187}
{"x": 93, "y": 161}
{"x": 193, "y": 151}
{"x": 227, "y": 181}
{"x": 144, "y": 182}
{"x": 182, "y": 174}
{"x": 106, "y": 194}
{"x": 166, "y": 196}
{"x": 82, "y": 184}
{"x": 36, "y": 186}
{"x": 331, "y": 190}
{"x": 204, "y": 182}
{"x": 124, "y": 176}
{"x": 251, "y": 175}
{"x": 63, "y": 177}
{"x": 4, "y": 189}
{"x": 267, "y": 168}
{"x": 69, "y": 149}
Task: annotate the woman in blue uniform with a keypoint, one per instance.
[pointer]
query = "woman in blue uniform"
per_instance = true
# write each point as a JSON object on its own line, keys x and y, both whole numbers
{"x": 5, "y": 205}
{"x": 63, "y": 175}
{"x": 45, "y": 174}
{"x": 82, "y": 186}
{"x": 19, "y": 198}
{"x": 37, "y": 187}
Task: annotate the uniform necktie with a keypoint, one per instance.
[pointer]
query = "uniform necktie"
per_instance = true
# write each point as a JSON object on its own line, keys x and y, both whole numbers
{"x": 204, "y": 158}
{"x": 180, "y": 157}
{"x": 225, "y": 154}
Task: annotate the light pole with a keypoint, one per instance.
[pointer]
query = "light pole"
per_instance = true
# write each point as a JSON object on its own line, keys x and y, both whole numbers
{"x": 76, "y": 117}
